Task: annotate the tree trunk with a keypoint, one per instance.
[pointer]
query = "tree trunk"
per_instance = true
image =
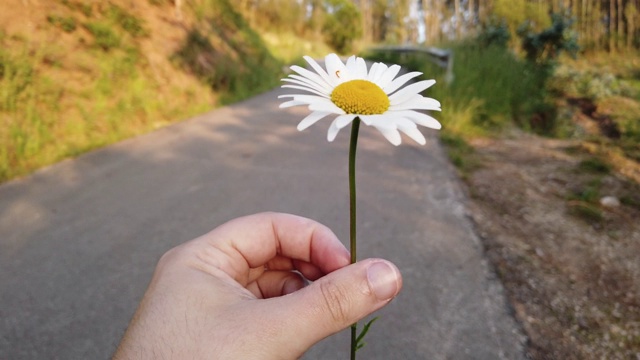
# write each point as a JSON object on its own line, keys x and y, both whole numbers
{"x": 178, "y": 9}
{"x": 456, "y": 7}
{"x": 631, "y": 14}
{"x": 620, "y": 32}
{"x": 612, "y": 25}
{"x": 439, "y": 11}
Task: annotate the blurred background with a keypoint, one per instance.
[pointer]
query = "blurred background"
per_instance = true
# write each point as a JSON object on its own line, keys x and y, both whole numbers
{"x": 541, "y": 116}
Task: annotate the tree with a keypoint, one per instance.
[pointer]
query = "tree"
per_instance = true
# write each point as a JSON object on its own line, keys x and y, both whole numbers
{"x": 398, "y": 20}
{"x": 342, "y": 25}
{"x": 631, "y": 13}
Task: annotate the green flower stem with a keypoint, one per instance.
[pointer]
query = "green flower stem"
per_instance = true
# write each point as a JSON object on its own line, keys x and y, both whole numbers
{"x": 355, "y": 127}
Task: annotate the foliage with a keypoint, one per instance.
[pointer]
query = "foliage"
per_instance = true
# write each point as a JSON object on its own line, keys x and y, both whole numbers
{"x": 548, "y": 44}
{"x": 342, "y": 24}
{"x": 595, "y": 165}
{"x": 83, "y": 7}
{"x": 279, "y": 15}
{"x": 513, "y": 13}
{"x": 492, "y": 88}
{"x": 66, "y": 23}
{"x": 589, "y": 83}
{"x": 240, "y": 65}
{"x": 104, "y": 35}
{"x": 495, "y": 33}
{"x": 129, "y": 23}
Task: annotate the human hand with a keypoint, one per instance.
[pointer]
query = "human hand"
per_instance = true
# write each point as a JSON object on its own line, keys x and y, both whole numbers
{"x": 237, "y": 293}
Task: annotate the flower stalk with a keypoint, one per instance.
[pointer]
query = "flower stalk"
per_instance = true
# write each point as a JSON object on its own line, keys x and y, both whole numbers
{"x": 355, "y": 127}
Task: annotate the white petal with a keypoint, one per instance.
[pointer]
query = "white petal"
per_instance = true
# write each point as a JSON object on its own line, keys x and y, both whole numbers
{"x": 333, "y": 131}
{"x": 306, "y": 83}
{"x": 326, "y": 106}
{"x": 398, "y": 82}
{"x": 382, "y": 69}
{"x": 311, "y": 99}
{"x": 361, "y": 69}
{"x": 305, "y": 88}
{"x": 419, "y": 102}
{"x": 311, "y": 119}
{"x": 344, "y": 120}
{"x": 388, "y": 75}
{"x": 392, "y": 135}
{"x": 372, "y": 71}
{"x": 311, "y": 83}
{"x": 323, "y": 74}
{"x": 336, "y": 69}
{"x": 408, "y": 92}
{"x": 290, "y": 104}
{"x": 412, "y": 131}
{"x": 384, "y": 121}
{"x": 420, "y": 118}
{"x": 315, "y": 78}
{"x": 367, "y": 119}
{"x": 351, "y": 64}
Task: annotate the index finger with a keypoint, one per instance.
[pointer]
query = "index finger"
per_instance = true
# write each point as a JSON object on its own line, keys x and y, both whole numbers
{"x": 252, "y": 241}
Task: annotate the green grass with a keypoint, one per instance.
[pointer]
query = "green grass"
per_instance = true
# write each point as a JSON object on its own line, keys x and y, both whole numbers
{"x": 66, "y": 23}
{"x": 491, "y": 90}
{"x": 129, "y": 23}
{"x": 595, "y": 165}
{"x": 104, "y": 35}
{"x": 53, "y": 106}
{"x": 246, "y": 69}
{"x": 460, "y": 153}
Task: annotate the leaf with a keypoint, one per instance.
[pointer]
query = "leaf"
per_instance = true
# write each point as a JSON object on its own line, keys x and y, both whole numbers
{"x": 359, "y": 340}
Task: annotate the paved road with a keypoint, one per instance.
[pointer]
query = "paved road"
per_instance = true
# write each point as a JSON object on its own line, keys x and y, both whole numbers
{"x": 79, "y": 240}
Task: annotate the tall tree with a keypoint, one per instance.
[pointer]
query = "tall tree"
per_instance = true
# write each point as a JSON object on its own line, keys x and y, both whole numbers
{"x": 631, "y": 13}
{"x": 457, "y": 18}
{"x": 398, "y": 20}
{"x": 612, "y": 25}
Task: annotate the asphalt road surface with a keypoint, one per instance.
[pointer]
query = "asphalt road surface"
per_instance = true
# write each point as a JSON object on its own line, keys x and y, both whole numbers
{"x": 79, "y": 240}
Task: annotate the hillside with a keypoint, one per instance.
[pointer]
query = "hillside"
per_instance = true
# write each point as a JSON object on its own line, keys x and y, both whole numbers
{"x": 76, "y": 75}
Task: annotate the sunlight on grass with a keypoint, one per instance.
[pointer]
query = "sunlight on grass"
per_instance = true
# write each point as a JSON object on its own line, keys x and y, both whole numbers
{"x": 290, "y": 48}
{"x": 491, "y": 88}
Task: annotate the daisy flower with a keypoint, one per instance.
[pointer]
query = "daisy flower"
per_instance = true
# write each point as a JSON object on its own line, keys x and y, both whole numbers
{"x": 374, "y": 95}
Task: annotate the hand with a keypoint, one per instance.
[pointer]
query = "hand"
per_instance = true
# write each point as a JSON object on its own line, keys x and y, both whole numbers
{"x": 239, "y": 292}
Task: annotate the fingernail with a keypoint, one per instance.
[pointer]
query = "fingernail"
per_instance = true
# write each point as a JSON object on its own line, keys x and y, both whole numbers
{"x": 383, "y": 280}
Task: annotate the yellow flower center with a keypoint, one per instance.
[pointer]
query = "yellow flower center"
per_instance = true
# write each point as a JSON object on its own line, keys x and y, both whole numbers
{"x": 360, "y": 97}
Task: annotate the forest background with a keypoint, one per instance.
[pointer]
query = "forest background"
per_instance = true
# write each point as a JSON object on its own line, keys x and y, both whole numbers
{"x": 76, "y": 75}
{"x": 541, "y": 118}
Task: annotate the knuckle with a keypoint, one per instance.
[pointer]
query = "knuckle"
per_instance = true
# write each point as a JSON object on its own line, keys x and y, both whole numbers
{"x": 336, "y": 302}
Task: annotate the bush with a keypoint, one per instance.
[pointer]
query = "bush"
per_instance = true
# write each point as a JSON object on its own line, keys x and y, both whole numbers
{"x": 548, "y": 44}
{"x": 342, "y": 25}
{"x": 494, "y": 33}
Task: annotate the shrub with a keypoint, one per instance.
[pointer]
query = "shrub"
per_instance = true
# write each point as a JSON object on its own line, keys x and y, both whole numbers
{"x": 548, "y": 44}
{"x": 342, "y": 25}
{"x": 496, "y": 33}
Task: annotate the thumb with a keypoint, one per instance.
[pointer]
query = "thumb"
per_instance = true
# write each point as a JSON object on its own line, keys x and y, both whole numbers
{"x": 334, "y": 302}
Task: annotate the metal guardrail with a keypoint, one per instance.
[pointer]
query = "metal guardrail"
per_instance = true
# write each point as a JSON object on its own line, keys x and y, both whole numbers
{"x": 440, "y": 57}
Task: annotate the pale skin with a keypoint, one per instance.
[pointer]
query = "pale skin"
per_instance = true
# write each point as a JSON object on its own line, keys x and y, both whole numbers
{"x": 239, "y": 292}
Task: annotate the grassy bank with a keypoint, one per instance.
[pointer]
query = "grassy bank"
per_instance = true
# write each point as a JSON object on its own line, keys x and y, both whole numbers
{"x": 82, "y": 76}
{"x": 594, "y": 99}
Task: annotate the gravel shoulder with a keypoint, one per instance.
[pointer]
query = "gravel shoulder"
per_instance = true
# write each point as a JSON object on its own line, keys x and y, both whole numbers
{"x": 562, "y": 233}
